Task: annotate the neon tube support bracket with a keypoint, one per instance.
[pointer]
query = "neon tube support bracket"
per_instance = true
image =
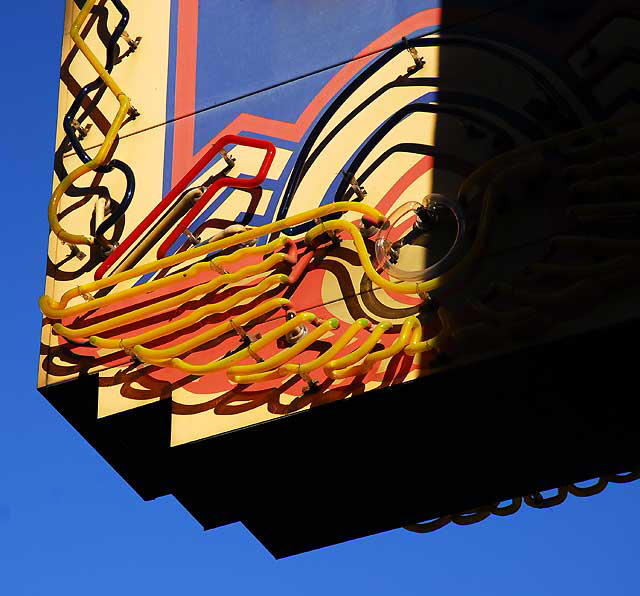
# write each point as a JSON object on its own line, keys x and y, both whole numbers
{"x": 356, "y": 187}
{"x": 82, "y": 131}
{"x": 76, "y": 252}
{"x": 418, "y": 60}
{"x": 229, "y": 159}
{"x": 247, "y": 339}
{"x": 133, "y": 44}
{"x": 332, "y": 234}
{"x": 194, "y": 240}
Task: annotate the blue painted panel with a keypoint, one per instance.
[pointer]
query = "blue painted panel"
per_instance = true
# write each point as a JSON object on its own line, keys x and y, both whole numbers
{"x": 248, "y": 45}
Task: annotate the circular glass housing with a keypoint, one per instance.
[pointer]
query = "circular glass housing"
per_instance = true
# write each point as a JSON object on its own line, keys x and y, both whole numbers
{"x": 421, "y": 240}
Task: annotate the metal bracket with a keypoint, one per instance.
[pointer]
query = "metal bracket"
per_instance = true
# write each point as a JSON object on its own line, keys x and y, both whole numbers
{"x": 85, "y": 295}
{"x": 194, "y": 240}
{"x": 133, "y": 113}
{"x": 76, "y": 252}
{"x": 82, "y": 131}
{"x": 221, "y": 270}
{"x": 129, "y": 352}
{"x": 295, "y": 335}
{"x": 312, "y": 386}
{"x": 418, "y": 60}
{"x": 356, "y": 187}
{"x": 132, "y": 43}
{"x": 228, "y": 158}
{"x": 333, "y": 235}
{"x": 247, "y": 340}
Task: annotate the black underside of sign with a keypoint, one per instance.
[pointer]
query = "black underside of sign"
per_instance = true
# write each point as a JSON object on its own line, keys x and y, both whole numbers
{"x": 506, "y": 426}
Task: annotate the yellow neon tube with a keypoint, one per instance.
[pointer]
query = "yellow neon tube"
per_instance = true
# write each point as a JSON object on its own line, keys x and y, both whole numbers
{"x": 334, "y": 350}
{"x": 162, "y": 356}
{"x": 397, "y": 346}
{"x": 335, "y": 367}
{"x": 195, "y": 316}
{"x": 432, "y": 284}
{"x": 174, "y": 301}
{"x": 57, "y": 310}
{"x": 243, "y": 374}
{"x": 227, "y": 242}
{"x": 274, "y": 334}
{"x": 304, "y": 369}
{"x": 417, "y": 345}
{"x": 101, "y": 156}
{"x": 371, "y": 358}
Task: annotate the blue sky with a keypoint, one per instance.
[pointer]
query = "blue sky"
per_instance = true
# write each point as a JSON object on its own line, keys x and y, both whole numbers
{"x": 69, "y": 525}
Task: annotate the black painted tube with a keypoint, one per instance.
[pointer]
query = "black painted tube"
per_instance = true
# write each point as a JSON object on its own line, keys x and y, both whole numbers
{"x": 478, "y": 43}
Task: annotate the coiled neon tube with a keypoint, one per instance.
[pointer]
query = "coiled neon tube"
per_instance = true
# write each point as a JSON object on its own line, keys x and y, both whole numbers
{"x": 57, "y": 310}
{"x": 166, "y": 202}
{"x": 112, "y": 47}
{"x": 243, "y": 238}
{"x": 162, "y": 356}
{"x": 105, "y": 148}
{"x": 241, "y": 354}
{"x": 244, "y": 373}
{"x": 304, "y": 369}
{"x": 137, "y": 315}
{"x": 335, "y": 368}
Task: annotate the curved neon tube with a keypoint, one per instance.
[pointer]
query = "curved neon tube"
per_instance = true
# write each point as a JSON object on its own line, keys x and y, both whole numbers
{"x": 102, "y": 224}
{"x": 334, "y": 368}
{"x": 333, "y": 351}
{"x": 175, "y": 301}
{"x": 105, "y": 148}
{"x": 201, "y": 203}
{"x": 477, "y": 247}
{"x": 58, "y": 310}
{"x": 195, "y": 316}
{"x": 242, "y": 374}
{"x": 304, "y": 369}
{"x": 162, "y": 356}
{"x": 97, "y": 161}
{"x": 409, "y": 340}
{"x": 181, "y": 186}
{"x": 112, "y": 49}
{"x": 208, "y": 248}
{"x": 241, "y": 354}
{"x": 372, "y": 357}
{"x": 396, "y": 347}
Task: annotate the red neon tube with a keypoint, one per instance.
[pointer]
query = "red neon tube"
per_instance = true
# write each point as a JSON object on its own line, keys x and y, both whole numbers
{"x": 180, "y": 187}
